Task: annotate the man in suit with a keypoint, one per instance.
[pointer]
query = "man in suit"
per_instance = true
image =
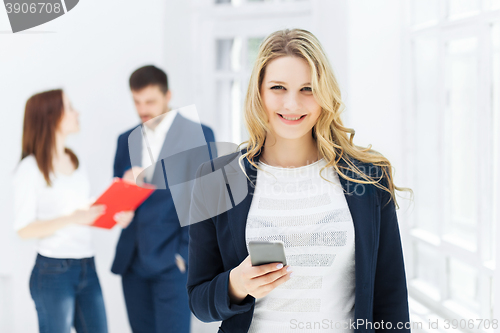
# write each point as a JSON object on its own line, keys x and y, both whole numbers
{"x": 151, "y": 254}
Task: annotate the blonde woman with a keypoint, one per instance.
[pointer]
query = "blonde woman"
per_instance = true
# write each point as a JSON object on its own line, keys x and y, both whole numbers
{"x": 330, "y": 202}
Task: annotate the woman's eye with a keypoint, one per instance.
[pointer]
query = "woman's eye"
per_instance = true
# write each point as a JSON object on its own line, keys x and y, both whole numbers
{"x": 308, "y": 89}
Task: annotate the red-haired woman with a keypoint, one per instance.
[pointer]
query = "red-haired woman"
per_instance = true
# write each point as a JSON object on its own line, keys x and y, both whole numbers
{"x": 52, "y": 191}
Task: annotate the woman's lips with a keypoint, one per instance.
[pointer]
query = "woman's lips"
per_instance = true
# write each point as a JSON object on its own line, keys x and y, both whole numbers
{"x": 292, "y": 122}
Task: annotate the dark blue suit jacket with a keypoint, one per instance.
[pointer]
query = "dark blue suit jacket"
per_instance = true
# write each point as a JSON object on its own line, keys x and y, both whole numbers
{"x": 155, "y": 232}
{"x": 217, "y": 245}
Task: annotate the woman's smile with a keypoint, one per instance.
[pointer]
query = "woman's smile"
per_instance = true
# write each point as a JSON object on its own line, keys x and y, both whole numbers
{"x": 291, "y": 119}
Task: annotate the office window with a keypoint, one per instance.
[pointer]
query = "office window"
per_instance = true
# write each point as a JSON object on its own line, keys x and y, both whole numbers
{"x": 253, "y": 49}
{"x": 463, "y": 285}
{"x": 426, "y": 71}
{"x": 455, "y": 146}
{"x": 462, "y": 8}
{"x": 428, "y": 269}
{"x": 232, "y": 80}
{"x": 461, "y": 140}
{"x": 228, "y": 35}
{"x": 228, "y": 54}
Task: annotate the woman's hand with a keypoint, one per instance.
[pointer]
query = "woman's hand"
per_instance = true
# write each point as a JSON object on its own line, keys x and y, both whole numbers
{"x": 89, "y": 215}
{"x": 124, "y": 218}
{"x": 257, "y": 281}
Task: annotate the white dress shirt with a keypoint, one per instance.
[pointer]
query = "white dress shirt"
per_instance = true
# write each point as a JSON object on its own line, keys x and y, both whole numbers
{"x": 155, "y": 139}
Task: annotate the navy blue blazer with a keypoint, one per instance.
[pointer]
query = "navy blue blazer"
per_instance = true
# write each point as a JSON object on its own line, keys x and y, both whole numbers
{"x": 217, "y": 245}
{"x": 155, "y": 232}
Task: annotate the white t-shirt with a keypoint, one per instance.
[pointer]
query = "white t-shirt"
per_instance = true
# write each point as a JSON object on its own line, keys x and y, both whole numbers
{"x": 34, "y": 200}
{"x": 312, "y": 218}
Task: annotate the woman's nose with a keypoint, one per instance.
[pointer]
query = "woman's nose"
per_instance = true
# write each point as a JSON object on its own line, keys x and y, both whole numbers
{"x": 291, "y": 102}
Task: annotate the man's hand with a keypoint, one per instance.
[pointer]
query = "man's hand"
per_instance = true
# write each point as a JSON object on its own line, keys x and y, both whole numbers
{"x": 132, "y": 175}
{"x": 181, "y": 264}
{"x": 124, "y": 218}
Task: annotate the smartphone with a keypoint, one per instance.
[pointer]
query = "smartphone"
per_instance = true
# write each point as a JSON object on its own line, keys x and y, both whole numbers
{"x": 266, "y": 252}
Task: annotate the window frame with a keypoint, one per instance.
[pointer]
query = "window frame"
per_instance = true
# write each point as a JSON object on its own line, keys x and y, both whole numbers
{"x": 445, "y": 30}
{"x": 219, "y": 21}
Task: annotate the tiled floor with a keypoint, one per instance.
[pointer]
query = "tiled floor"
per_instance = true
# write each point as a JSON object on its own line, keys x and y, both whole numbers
{"x": 423, "y": 321}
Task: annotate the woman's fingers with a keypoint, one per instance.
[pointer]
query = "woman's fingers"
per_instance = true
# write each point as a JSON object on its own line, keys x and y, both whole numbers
{"x": 257, "y": 281}
{"x": 269, "y": 278}
{"x": 265, "y": 284}
{"x": 260, "y": 280}
{"x": 98, "y": 208}
{"x": 256, "y": 271}
{"x": 267, "y": 288}
{"x": 267, "y": 268}
{"x": 96, "y": 211}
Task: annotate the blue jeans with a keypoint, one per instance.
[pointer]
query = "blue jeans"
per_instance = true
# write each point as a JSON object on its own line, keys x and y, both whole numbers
{"x": 67, "y": 293}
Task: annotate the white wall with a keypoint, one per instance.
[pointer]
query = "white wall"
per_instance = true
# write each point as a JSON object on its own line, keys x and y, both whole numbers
{"x": 374, "y": 93}
{"x": 90, "y": 52}
{"x": 330, "y": 25}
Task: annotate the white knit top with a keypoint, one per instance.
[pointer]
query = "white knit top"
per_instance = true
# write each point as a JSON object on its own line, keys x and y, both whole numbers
{"x": 34, "y": 200}
{"x": 311, "y": 216}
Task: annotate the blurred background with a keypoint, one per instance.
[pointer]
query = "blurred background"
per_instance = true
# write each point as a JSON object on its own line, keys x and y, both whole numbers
{"x": 420, "y": 80}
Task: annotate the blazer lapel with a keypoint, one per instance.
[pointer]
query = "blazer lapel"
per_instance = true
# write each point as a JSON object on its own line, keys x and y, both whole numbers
{"x": 361, "y": 199}
{"x": 237, "y": 216}
{"x": 362, "y": 202}
{"x": 135, "y": 139}
{"x": 172, "y": 140}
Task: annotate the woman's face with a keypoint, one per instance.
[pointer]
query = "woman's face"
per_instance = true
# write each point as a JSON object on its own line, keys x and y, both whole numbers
{"x": 287, "y": 95}
{"x": 69, "y": 122}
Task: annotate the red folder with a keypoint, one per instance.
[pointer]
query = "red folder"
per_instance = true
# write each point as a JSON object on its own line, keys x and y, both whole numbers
{"x": 120, "y": 196}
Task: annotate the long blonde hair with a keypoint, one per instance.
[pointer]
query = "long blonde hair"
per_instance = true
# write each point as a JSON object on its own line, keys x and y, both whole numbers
{"x": 331, "y": 136}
